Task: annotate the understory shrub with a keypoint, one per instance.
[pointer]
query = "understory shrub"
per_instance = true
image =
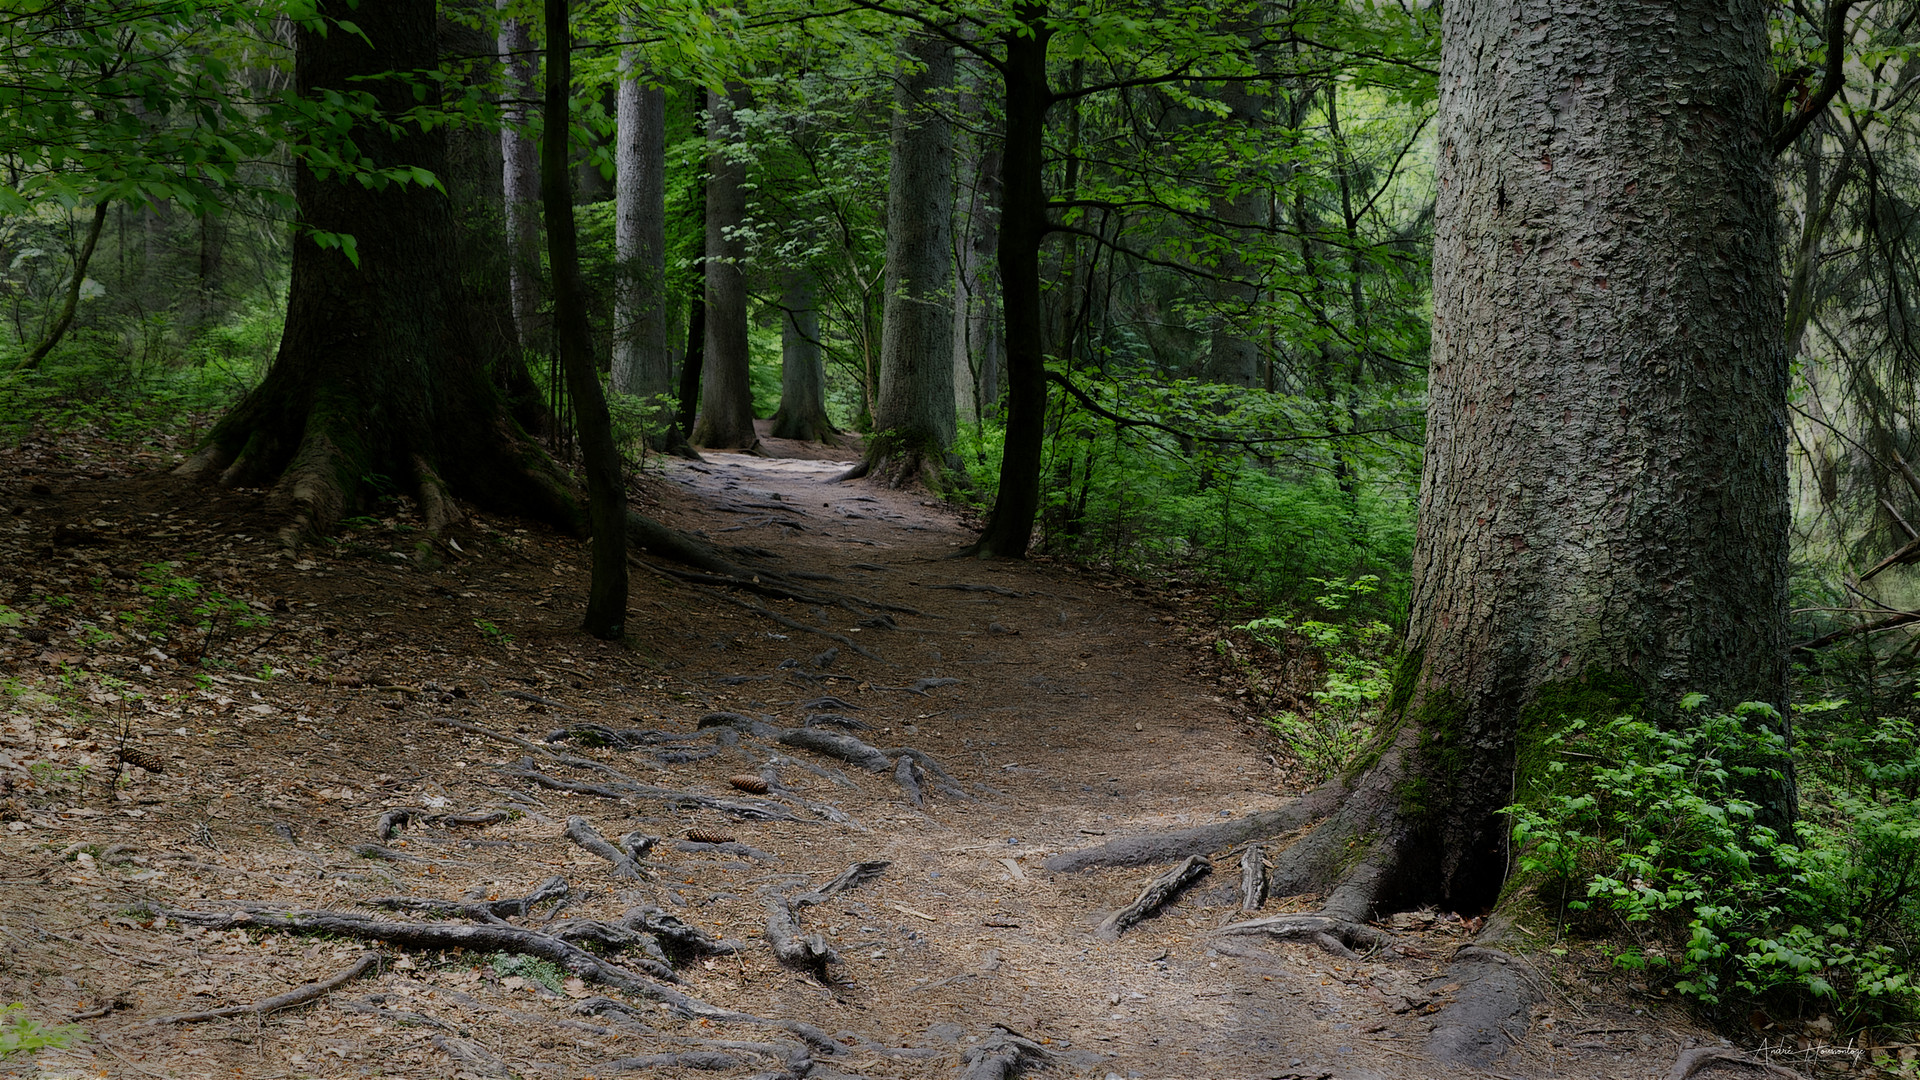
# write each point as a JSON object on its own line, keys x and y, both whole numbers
{"x": 1644, "y": 834}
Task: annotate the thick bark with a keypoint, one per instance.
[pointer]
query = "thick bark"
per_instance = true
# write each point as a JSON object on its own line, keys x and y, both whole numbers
{"x": 606, "y": 615}
{"x": 379, "y": 373}
{"x": 1603, "y": 512}
{"x": 803, "y": 375}
{"x": 641, "y": 364}
{"x": 913, "y": 417}
{"x": 726, "y": 398}
{"x": 1023, "y": 225}
{"x": 75, "y": 284}
{"x": 520, "y": 177}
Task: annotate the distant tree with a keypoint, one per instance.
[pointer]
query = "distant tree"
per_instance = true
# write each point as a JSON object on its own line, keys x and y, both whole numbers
{"x": 803, "y": 377}
{"x": 726, "y": 395}
{"x": 913, "y": 418}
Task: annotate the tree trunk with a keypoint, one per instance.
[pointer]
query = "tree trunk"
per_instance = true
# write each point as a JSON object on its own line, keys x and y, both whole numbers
{"x": 1233, "y": 356}
{"x": 913, "y": 417}
{"x": 641, "y": 365}
{"x": 803, "y": 374}
{"x": 1603, "y": 517}
{"x": 726, "y": 398}
{"x": 1023, "y": 225}
{"x": 606, "y": 493}
{"x": 70, "y": 304}
{"x": 379, "y": 373}
{"x": 520, "y": 177}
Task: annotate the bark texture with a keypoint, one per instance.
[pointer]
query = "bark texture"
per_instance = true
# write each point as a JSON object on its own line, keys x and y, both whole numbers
{"x": 642, "y": 365}
{"x": 913, "y": 417}
{"x": 803, "y": 374}
{"x": 1603, "y": 511}
{"x": 520, "y": 177}
{"x": 726, "y": 397}
{"x": 381, "y": 372}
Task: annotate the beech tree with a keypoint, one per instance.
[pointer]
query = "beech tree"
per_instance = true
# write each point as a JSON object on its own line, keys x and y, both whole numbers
{"x": 641, "y": 363}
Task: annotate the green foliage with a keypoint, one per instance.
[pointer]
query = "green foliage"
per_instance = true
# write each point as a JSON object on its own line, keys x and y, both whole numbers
{"x": 1645, "y": 833}
{"x": 21, "y": 1034}
{"x": 1356, "y": 660}
{"x": 176, "y": 602}
{"x": 545, "y": 972}
{"x": 492, "y": 633}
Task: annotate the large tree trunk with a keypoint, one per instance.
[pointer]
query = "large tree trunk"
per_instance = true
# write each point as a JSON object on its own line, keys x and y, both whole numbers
{"x": 641, "y": 364}
{"x": 726, "y": 397}
{"x": 803, "y": 374}
{"x": 379, "y": 371}
{"x": 606, "y": 614}
{"x": 520, "y": 178}
{"x": 913, "y": 418}
{"x": 1603, "y": 517}
{"x": 1023, "y": 226}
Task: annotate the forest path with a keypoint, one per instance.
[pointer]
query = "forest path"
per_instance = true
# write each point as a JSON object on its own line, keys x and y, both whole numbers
{"x": 1067, "y": 707}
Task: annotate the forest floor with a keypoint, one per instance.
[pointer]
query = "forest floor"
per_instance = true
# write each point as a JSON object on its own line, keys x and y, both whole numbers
{"x": 389, "y": 672}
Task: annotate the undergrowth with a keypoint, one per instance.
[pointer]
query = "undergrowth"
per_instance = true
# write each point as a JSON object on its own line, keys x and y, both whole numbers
{"x": 1641, "y": 836}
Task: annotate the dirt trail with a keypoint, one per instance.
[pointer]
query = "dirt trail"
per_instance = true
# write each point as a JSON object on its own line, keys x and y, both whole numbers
{"x": 1065, "y": 708}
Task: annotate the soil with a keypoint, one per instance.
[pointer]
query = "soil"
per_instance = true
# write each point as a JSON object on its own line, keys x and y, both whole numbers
{"x": 1069, "y": 707}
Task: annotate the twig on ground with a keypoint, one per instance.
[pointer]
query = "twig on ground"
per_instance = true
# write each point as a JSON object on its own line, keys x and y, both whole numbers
{"x": 298, "y": 996}
{"x": 1157, "y": 892}
{"x": 582, "y": 833}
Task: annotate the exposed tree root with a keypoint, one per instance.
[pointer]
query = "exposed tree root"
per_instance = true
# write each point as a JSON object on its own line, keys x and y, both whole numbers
{"x": 488, "y": 937}
{"x": 743, "y": 809}
{"x": 472, "y": 1056}
{"x": 1338, "y": 936}
{"x": 998, "y": 590}
{"x": 807, "y": 952}
{"x": 1181, "y": 843}
{"x": 852, "y": 877}
{"x": 850, "y": 750}
{"x": 1003, "y": 1056}
{"x": 1489, "y": 1013}
{"x": 1156, "y": 893}
{"x": 581, "y": 832}
{"x": 299, "y": 996}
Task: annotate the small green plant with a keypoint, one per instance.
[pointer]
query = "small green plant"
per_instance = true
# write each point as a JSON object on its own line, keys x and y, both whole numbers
{"x": 48, "y": 774}
{"x": 493, "y": 634}
{"x": 21, "y": 1034}
{"x": 1646, "y": 834}
{"x": 175, "y": 601}
{"x": 1354, "y": 657}
{"x": 545, "y": 972}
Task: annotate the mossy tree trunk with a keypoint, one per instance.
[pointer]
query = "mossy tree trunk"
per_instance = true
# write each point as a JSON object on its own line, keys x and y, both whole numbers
{"x": 380, "y": 380}
{"x": 1603, "y": 516}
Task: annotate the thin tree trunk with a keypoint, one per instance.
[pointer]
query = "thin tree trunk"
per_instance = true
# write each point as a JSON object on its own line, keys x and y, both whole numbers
{"x": 1233, "y": 355}
{"x": 71, "y": 303}
{"x": 1023, "y": 225}
{"x": 694, "y": 362}
{"x": 726, "y": 399}
{"x": 520, "y": 178}
{"x": 606, "y": 614}
{"x": 803, "y": 375}
{"x": 914, "y": 415}
{"x": 641, "y": 365}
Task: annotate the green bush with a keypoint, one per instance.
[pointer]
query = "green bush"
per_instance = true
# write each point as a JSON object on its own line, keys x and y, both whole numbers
{"x": 1646, "y": 834}
{"x": 1355, "y": 657}
{"x": 21, "y": 1034}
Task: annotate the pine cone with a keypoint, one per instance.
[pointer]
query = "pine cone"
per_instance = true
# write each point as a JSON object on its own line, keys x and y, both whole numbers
{"x": 709, "y": 836}
{"x": 143, "y": 759}
{"x": 749, "y": 782}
